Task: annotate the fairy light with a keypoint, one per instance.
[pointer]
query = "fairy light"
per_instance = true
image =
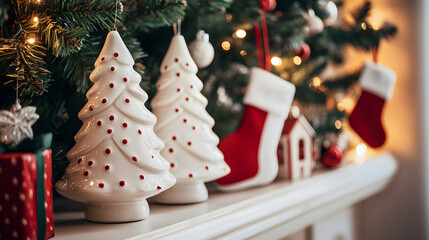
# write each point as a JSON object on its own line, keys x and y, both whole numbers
{"x": 240, "y": 33}
{"x": 338, "y": 124}
{"x": 35, "y": 19}
{"x": 361, "y": 149}
{"x": 363, "y": 25}
{"x": 228, "y": 17}
{"x": 317, "y": 82}
{"x": 226, "y": 45}
{"x": 31, "y": 40}
{"x": 340, "y": 106}
{"x": 297, "y": 60}
{"x": 276, "y": 61}
{"x": 243, "y": 52}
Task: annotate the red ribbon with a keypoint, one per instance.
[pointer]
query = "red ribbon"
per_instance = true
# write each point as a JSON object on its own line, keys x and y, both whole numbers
{"x": 263, "y": 63}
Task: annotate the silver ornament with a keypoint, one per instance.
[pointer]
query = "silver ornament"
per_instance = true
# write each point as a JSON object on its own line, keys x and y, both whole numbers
{"x": 202, "y": 50}
{"x": 15, "y": 125}
{"x": 314, "y": 23}
{"x": 332, "y": 11}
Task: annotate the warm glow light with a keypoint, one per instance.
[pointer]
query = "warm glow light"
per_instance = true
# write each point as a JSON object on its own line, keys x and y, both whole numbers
{"x": 276, "y": 61}
{"x": 297, "y": 60}
{"x": 243, "y": 52}
{"x": 240, "y": 33}
{"x": 338, "y": 124}
{"x": 340, "y": 106}
{"x": 35, "y": 19}
{"x": 226, "y": 45}
{"x": 363, "y": 25}
{"x": 295, "y": 111}
{"x": 349, "y": 104}
{"x": 316, "y": 82}
{"x": 31, "y": 40}
{"x": 361, "y": 149}
{"x": 228, "y": 17}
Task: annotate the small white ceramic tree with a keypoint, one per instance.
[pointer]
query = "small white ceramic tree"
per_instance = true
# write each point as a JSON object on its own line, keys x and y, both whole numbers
{"x": 116, "y": 162}
{"x": 185, "y": 127}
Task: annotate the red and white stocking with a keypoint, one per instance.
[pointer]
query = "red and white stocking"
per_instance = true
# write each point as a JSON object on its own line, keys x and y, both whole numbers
{"x": 377, "y": 82}
{"x": 251, "y": 151}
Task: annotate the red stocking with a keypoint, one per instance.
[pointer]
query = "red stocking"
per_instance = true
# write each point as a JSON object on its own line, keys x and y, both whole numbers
{"x": 251, "y": 151}
{"x": 377, "y": 82}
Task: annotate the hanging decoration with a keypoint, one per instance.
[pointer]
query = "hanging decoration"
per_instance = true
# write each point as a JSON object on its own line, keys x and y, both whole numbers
{"x": 202, "y": 50}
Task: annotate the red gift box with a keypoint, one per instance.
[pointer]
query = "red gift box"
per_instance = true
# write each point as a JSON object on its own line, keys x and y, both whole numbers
{"x": 19, "y": 200}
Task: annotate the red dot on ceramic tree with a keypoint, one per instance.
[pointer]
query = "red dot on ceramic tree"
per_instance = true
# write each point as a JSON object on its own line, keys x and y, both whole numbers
{"x": 80, "y": 160}
{"x": 178, "y": 90}
{"x": 122, "y": 183}
{"x": 104, "y": 100}
{"x": 101, "y": 185}
{"x": 139, "y": 131}
{"x": 107, "y": 151}
{"x": 125, "y": 141}
{"x": 116, "y": 54}
{"x": 111, "y": 117}
{"x": 158, "y": 187}
{"x": 99, "y": 123}
{"x": 91, "y": 108}
{"x": 187, "y": 64}
{"x": 107, "y": 167}
{"x": 171, "y": 164}
{"x": 178, "y": 74}
{"x": 174, "y": 138}
{"x": 165, "y": 67}
{"x": 90, "y": 163}
{"x": 190, "y": 175}
{"x": 125, "y": 79}
{"x": 127, "y": 100}
{"x": 171, "y": 150}
{"x": 141, "y": 177}
{"x": 193, "y": 127}
{"x": 176, "y": 59}
{"x": 134, "y": 159}
{"x": 176, "y": 110}
{"x": 153, "y": 156}
{"x": 184, "y": 120}
{"x": 112, "y": 68}
{"x": 86, "y": 173}
{"x": 111, "y": 85}
{"x": 187, "y": 99}
{"x": 109, "y": 131}
{"x": 189, "y": 143}
{"x": 207, "y": 167}
{"x": 192, "y": 86}
{"x": 124, "y": 125}
{"x": 102, "y": 59}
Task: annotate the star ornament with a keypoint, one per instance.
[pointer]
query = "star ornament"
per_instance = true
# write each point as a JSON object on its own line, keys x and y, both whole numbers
{"x": 15, "y": 125}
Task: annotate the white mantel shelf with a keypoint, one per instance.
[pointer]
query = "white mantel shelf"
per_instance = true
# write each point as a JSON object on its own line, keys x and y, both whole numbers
{"x": 278, "y": 209}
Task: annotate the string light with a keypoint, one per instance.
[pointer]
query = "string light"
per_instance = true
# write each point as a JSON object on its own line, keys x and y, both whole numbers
{"x": 338, "y": 124}
{"x": 228, "y": 17}
{"x": 31, "y": 40}
{"x": 317, "y": 82}
{"x": 276, "y": 61}
{"x": 243, "y": 52}
{"x": 240, "y": 33}
{"x": 363, "y": 25}
{"x": 226, "y": 45}
{"x": 297, "y": 60}
{"x": 361, "y": 149}
{"x": 35, "y": 19}
{"x": 340, "y": 106}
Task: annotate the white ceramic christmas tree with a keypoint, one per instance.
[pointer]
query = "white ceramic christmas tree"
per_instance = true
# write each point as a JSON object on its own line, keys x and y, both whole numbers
{"x": 185, "y": 127}
{"x": 116, "y": 162}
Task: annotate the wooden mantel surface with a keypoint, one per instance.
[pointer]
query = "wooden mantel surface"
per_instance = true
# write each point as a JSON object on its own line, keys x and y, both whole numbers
{"x": 280, "y": 208}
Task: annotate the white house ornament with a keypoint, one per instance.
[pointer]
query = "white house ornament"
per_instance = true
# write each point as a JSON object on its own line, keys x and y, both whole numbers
{"x": 202, "y": 50}
{"x": 185, "y": 127}
{"x": 116, "y": 163}
{"x": 15, "y": 125}
{"x": 314, "y": 23}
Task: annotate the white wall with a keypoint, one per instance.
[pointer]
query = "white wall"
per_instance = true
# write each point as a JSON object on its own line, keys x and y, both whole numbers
{"x": 398, "y": 213}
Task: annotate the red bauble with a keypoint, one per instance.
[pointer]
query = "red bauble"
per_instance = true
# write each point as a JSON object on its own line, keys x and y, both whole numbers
{"x": 268, "y": 5}
{"x": 304, "y": 51}
{"x": 332, "y": 156}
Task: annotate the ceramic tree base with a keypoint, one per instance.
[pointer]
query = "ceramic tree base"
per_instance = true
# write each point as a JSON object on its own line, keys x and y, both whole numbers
{"x": 117, "y": 212}
{"x": 183, "y": 193}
